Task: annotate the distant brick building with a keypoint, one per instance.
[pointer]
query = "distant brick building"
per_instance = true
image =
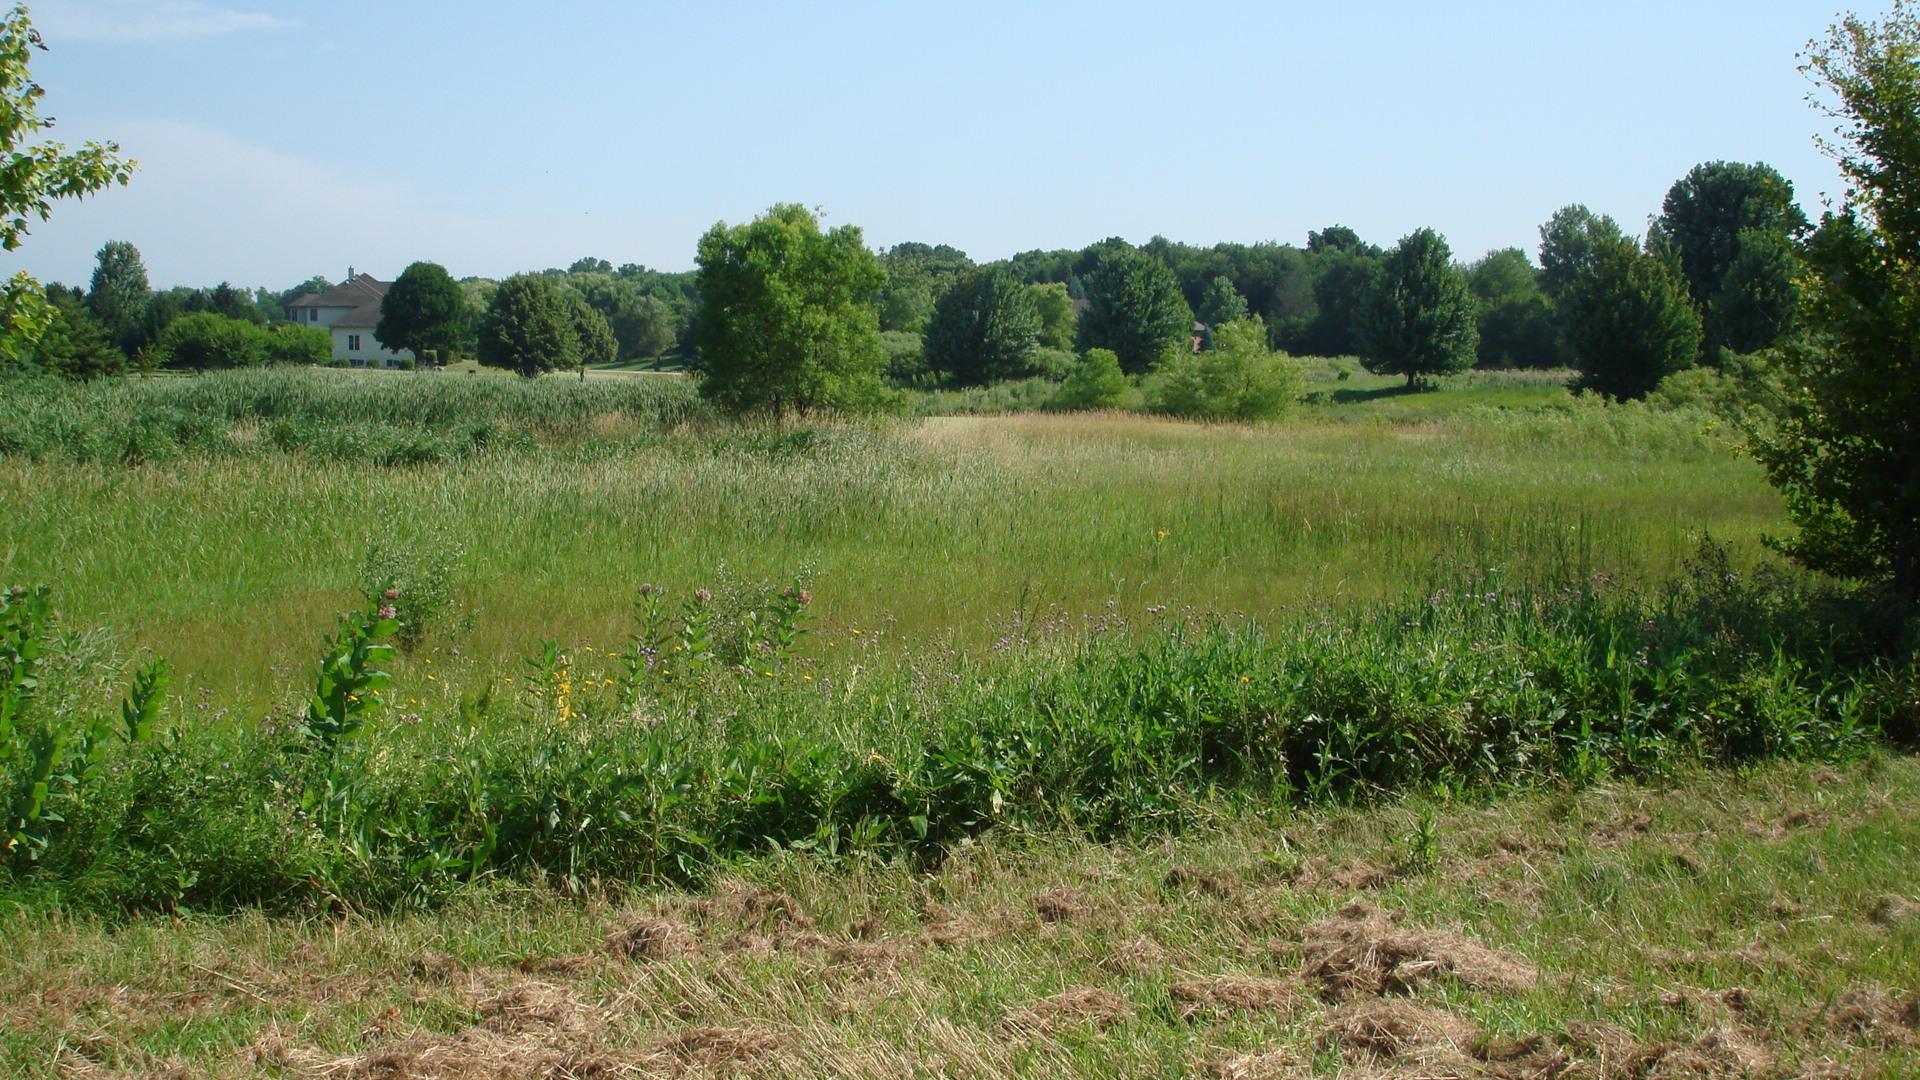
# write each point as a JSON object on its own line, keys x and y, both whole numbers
{"x": 350, "y": 311}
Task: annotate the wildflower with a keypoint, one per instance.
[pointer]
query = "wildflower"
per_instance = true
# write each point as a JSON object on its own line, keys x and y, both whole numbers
{"x": 430, "y": 678}
{"x": 386, "y": 611}
{"x": 1161, "y": 535}
{"x": 856, "y": 631}
{"x": 647, "y": 590}
{"x": 809, "y": 678}
{"x": 429, "y": 659}
{"x": 768, "y": 674}
{"x": 703, "y": 596}
{"x": 390, "y": 594}
{"x": 1243, "y": 678}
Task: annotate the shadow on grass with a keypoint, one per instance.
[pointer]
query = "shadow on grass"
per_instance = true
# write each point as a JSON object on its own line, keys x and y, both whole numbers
{"x": 1354, "y": 397}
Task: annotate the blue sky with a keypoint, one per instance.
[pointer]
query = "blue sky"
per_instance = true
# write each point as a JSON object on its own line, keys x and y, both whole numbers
{"x": 280, "y": 140}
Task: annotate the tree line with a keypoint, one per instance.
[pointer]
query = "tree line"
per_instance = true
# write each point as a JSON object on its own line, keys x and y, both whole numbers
{"x": 1714, "y": 276}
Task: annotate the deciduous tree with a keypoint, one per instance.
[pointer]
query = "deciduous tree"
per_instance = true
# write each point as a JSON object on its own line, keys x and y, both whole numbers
{"x": 984, "y": 329}
{"x": 1134, "y": 307}
{"x": 1845, "y": 447}
{"x": 528, "y": 328}
{"x": 1419, "y": 320}
{"x": 32, "y": 175}
{"x": 119, "y": 293}
{"x": 1628, "y": 319}
{"x": 423, "y": 310}
{"x": 787, "y": 320}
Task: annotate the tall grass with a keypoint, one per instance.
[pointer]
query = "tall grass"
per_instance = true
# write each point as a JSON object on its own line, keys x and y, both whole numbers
{"x": 226, "y": 564}
{"x": 670, "y": 760}
{"x": 347, "y": 416}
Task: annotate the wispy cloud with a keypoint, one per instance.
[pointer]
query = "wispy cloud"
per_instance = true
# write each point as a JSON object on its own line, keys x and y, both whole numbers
{"x": 144, "y": 20}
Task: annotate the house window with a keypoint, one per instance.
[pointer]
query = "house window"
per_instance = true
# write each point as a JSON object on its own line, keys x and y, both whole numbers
{"x": 313, "y": 314}
{"x": 353, "y": 342}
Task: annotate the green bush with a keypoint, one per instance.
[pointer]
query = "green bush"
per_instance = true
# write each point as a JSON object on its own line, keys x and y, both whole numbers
{"x": 1096, "y": 382}
{"x": 290, "y": 343}
{"x": 1238, "y": 379}
{"x": 205, "y": 341}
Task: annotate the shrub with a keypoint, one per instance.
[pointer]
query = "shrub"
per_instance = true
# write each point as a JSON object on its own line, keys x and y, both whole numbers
{"x": 288, "y": 343}
{"x": 1238, "y": 379}
{"x": 1095, "y": 383}
{"x": 205, "y": 341}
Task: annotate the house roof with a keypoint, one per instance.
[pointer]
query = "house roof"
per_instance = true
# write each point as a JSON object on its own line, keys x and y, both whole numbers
{"x": 361, "y": 292}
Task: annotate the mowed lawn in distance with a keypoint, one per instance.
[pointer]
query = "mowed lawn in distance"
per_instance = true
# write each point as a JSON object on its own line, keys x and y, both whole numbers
{"x": 932, "y": 529}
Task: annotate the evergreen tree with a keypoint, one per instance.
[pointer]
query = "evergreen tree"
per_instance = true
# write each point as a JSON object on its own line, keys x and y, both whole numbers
{"x": 1134, "y": 307}
{"x": 528, "y": 328}
{"x": 1419, "y": 320}
{"x": 984, "y": 329}
{"x": 76, "y": 345}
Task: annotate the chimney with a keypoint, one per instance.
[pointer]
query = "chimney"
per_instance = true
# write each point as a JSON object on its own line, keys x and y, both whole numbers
{"x": 350, "y": 274}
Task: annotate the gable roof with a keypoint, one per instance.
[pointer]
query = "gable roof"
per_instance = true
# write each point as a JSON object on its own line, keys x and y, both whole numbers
{"x": 361, "y": 292}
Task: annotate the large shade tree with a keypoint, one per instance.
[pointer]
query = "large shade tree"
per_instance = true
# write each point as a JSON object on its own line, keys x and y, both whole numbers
{"x": 1710, "y": 218}
{"x": 529, "y": 328}
{"x": 1627, "y": 317}
{"x": 1134, "y": 307}
{"x": 1419, "y": 320}
{"x": 423, "y": 310}
{"x": 985, "y": 328}
{"x": 787, "y": 321}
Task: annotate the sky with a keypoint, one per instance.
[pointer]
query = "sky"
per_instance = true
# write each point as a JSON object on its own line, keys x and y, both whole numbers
{"x": 280, "y": 140}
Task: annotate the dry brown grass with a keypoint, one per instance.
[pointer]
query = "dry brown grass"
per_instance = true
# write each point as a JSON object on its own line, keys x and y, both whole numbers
{"x": 1363, "y": 950}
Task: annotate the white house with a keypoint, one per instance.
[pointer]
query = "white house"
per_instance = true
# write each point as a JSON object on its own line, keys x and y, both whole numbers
{"x": 350, "y": 311}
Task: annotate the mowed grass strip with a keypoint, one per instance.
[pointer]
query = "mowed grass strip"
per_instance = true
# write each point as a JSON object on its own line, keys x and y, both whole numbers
{"x": 1760, "y": 924}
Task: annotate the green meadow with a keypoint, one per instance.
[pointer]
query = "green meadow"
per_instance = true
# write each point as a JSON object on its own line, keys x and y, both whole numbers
{"x": 232, "y": 545}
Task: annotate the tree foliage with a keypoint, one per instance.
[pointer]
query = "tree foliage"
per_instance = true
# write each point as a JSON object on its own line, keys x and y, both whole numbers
{"x": 1758, "y": 301}
{"x": 1627, "y": 317}
{"x": 1096, "y": 382}
{"x": 984, "y": 329}
{"x": 119, "y": 293}
{"x": 593, "y": 336}
{"x": 1707, "y": 210}
{"x": 423, "y": 310}
{"x": 1419, "y": 319}
{"x": 32, "y": 175}
{"x": 1845, "y": 445}
{"x": 1240, "y": 378}
{"x": 1516, "y": 322}
{"x": 1221, "y": 303}
{"x": 1134, "y": 307}
{"x": 1058, "y": 322}
{"x": 528, "y": 328}
{"x": 787, "y": 318}
{"x": 76, "y": 346}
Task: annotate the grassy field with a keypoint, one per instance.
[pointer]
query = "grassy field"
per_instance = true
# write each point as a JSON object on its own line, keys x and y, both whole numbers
{"x": 229, "y": 559}
{"x": 1759, "y": 925}
{"x": 1416, "y": 735}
